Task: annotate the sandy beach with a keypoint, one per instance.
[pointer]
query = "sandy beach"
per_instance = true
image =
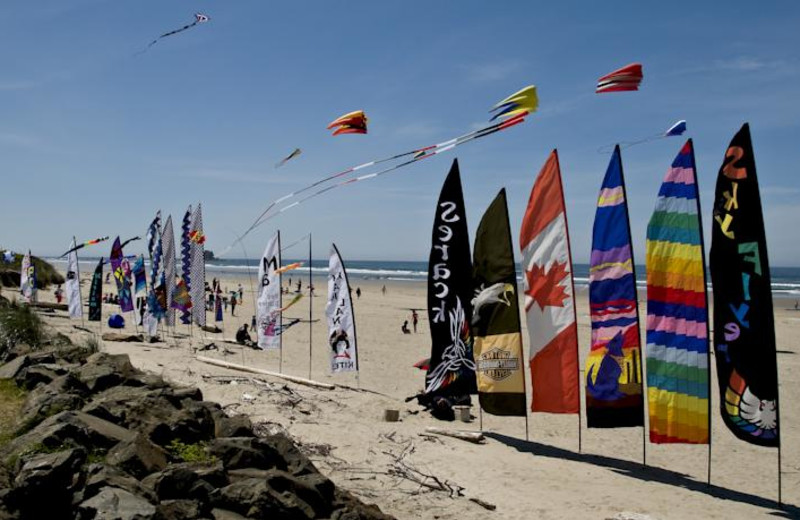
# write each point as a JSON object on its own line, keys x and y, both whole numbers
{"x": 545, "y": 477}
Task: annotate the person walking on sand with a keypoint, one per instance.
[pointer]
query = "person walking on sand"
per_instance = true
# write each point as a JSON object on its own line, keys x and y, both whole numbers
{"x": 241, "y": 294}
{"x": 414, "y": 319}
{"x": 59, "y": 294}
{"x": 383, "y": 290}
{"x": 358, "y": 292}
{"x": 233, "y": 304}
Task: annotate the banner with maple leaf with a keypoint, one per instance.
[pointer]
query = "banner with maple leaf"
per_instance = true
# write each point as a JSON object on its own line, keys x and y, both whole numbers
{"x": 549, "y": 304}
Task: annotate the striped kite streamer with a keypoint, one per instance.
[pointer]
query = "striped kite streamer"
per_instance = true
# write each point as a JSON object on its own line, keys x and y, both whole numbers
{"x": 168, "y": 252}
{"x": 627, "y": 78}
{"x": 613, "y": 368}
{"x": 677, "y": 310}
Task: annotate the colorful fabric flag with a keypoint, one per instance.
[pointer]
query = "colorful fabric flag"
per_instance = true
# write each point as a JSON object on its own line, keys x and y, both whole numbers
{"x": 677, "y": 310}
{"x": 613, "y": 367}
{"x": 27, "y": 278}
{"x": 73, "y": 283}
{"x": 744, "y": 324}
{"x": 140, "y": 277}
{"x": 289, "y": 267}
{"x": 123, "y": 282}
{"x": 96, "y": 293}
{"x": 186, "y": 261}
{"x": 549, "y": 301}
{"x": 294, "y": 300}
{"x": 341, "y": 320}
{"x": 495, "y": 315}
{"x": 268, "y": 307}
{"x": 625, "y": 79}
{"x": 76, "y": 246}
{"x": 198, "y": 268}
{"x": 168, "y": 251}
{"x": 154, "y": 249}
{"x": 452, "y": 366}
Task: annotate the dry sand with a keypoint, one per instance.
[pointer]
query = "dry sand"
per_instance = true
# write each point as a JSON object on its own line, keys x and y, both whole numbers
{"x": 544, "y": 478}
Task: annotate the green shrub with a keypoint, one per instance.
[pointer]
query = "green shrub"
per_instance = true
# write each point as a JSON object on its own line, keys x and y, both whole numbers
{"x": 19, "y": 324}
{"x": 190, "y": 452}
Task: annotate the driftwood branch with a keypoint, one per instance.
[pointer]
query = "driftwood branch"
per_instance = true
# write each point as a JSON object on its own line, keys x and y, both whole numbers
{"x": 293, "y": 379}
{"x": 473, "y": 437}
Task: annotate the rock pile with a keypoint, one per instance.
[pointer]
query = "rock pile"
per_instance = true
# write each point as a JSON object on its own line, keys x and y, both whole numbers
{"x": 98, "y": 438}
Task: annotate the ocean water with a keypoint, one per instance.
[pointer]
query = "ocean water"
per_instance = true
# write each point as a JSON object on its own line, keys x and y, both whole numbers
{"x": 785, "y": 280}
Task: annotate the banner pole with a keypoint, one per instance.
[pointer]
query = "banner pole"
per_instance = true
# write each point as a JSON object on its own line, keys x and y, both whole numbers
{"x": 280, "y": 305}
{"x": 310, "y": 312}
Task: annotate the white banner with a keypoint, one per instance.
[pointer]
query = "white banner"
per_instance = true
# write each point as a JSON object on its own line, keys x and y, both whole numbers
{"x": 27, "y": 278}
{"x": 268, "y": 309}
{"x": 74, "y": 285}
{"x": 341, "y": 323}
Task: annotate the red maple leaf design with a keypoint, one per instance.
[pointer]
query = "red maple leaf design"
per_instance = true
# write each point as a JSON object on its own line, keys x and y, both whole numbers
{"x": 544, "y": 287}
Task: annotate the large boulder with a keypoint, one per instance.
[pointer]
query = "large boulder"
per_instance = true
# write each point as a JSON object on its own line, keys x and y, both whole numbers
{"x": 280, "y": 495}
{"x": 103, "y": 371}
{"x": 115, "y": 504}
{"x": 138, "y": 456}
{"x": 102, "y": 475}
{"x": 180, "y": 481}
{"x": 13, "y": 367}
{"x": 63, "y": 393}
{"x": 246, "y": 452}
{"x": 44, "y": 486}
{"x": 180, "y": 510}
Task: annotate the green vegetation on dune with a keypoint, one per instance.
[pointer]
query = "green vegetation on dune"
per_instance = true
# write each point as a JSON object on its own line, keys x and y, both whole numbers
{"x": 46, "y": 274}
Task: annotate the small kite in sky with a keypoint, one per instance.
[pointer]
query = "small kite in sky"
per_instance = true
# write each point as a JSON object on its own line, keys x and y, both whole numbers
{"x": 627, "y": 78}
{"x": 522, "y": 102}
{"x": 678, "y": 128}
{"x": 352, "y": 123}
{"x": 198, "y": 19}
{"x": 87, "y": 243}
{"x": 295, "y": 153}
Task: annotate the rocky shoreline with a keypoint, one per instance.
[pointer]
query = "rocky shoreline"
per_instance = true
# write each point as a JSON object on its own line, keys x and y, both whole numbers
{"x": 97, "y": 438}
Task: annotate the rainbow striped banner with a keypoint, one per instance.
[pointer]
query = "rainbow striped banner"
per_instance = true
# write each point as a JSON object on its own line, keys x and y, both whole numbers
{"x": 613, "y": 367}
{"x": 677, "y": 310}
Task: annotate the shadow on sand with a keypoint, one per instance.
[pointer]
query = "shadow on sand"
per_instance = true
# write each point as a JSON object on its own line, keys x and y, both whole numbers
{"x": 647, "y": 473}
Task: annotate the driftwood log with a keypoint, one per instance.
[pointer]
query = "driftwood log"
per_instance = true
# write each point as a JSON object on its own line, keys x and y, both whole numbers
{"x": 243, "y": 368}
{"x": 473, "y": 437}
{"x": 124, "y": 338}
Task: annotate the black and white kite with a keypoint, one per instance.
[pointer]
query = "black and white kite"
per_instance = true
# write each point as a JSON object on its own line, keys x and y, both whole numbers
{"x": 198, "y": 19}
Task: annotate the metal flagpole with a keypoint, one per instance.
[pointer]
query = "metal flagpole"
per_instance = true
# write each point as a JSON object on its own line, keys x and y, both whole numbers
{"x": 310, "y": 310}
{"x": 280, "y": 305}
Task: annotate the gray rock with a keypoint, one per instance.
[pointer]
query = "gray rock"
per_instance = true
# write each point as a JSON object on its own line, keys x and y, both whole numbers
{"x": 138, "y": 456}
{"x": 63, "y": 393}
{"x": 40, "y": 374}
{"x": 246, "y": 452}
{"x": 13, "y": 367}
{"x": 180, "y": 480}
{"x": 55, "y": 476}
{"x": 280, "y": 494}
{"x": 224, "y": 514}
{"x": 115, "y": 504}
{"x": 236, "y": 426}
{"x": 179, "y": 510}
{"x": 103, "y": 475}
{"x": 103, "y": 371}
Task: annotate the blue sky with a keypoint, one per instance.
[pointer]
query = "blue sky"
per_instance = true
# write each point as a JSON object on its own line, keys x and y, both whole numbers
{"x": 94, "y": 138}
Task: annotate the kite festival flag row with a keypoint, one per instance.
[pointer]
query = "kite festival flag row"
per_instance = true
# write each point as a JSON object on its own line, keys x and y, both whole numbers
{"x": 744, "y": 341}
{"x": 495, "y": 319}
{"x": 96, "y": 293}
{"x": 341, "y": 320}
{"x": 168, "y": 251}
{"x": 549, "y": 303}
{"x": 197, "y": 241}
{"x": 677, "y": 310}
{"x": 73, "y": 283}
{"x": 613, "y": 367}
{"x": 268, "y": 308}
{"x": 451, "y": 368}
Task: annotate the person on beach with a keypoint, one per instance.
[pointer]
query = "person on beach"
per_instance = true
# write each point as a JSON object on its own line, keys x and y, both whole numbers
{"x": 358, "y": 292}
{"x": 299, "y": 286}
{"x": 404, "y": 328}
{"x": 383, "y": 290}
{"x": 233, "y": 304}
{"x": 241, "y": 294}
{"x": 414, "y": 319}
{"x": 243, "y": 337}
{"x": 253, "y": 322}
{"x": 108, "y": 278}
{"x": 59, "y": 294}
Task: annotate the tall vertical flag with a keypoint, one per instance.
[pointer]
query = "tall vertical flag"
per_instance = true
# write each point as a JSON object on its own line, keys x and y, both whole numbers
{"x": 549, "y": 303}
{"x": 341, "y": 320}
{"x": 495, "y": 315}
{"x": 140, "y": 277}
{"x": 677, "y": 310}
{"x": 186, "y": 262}
{"x": 123, "y": 281}
{"x": 154, "y": 307}
{"x": 27, "y": 278}
{"x": 96, "y": 293}
{"x": 613, "y": 367}
{"x": 744, "y": 341}
{"x": 198, "y": 269}
{"x": 452, "y": 366}
{"x": 268, "y": 307}
{"x": 73, "y": 284}
{"x": 168, "y": 251}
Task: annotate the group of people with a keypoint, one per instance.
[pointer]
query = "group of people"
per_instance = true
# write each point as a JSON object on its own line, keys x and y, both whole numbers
{"x": 414, "y": 322}
{"x": 215, "y": 291}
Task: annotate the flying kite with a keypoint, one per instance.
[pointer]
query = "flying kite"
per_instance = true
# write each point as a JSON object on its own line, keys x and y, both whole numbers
{"x": 295, "y": 153}
{"x": 523, "y": 102}
{"x": 678, "y": 128}
{"x": 352, "y": 123}
{"x": 627, "y": 78}
{"x": 289, "y": 267}
{"x": 129, "y": 241}
{"x": 87, "y": 243}
{"x": 198, "y": 19}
